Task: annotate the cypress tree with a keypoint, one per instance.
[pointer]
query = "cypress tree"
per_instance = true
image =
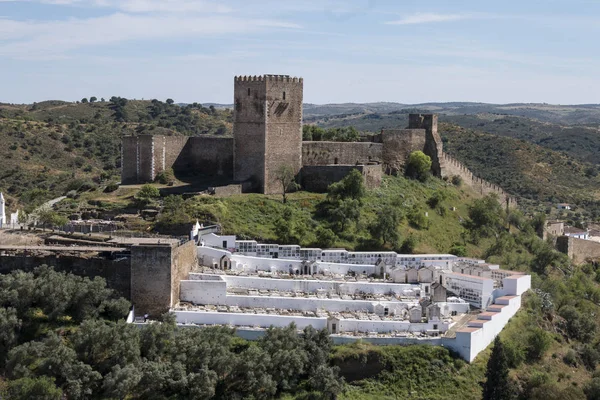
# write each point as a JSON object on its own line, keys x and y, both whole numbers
{"x": 498, "y": 385}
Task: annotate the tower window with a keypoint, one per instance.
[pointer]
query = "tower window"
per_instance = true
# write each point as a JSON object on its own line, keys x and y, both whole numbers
{"x": 284, "y": 95}
{"x": 248, "y": 91}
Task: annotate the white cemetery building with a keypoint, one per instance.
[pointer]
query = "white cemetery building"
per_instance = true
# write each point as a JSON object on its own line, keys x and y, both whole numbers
{"x": 382, "y": 297}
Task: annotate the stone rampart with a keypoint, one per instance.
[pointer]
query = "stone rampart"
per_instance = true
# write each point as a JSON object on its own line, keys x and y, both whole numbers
{"x": 451, "y": 167}
{"x": 397, "y": 146}
{"x": 145, "y": 156}
{"x": 317, "y": 178}
{"x": 579, "y": 251}
{"x": 155, "y": 274}
{"x": 116, "y": 272}
{"x": 342, "y": 153}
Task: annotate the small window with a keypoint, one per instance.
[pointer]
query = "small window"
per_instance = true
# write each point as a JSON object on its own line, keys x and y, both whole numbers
{"x": 435, "y": 326}
{"x": 224, "y": 244}
{"x": 248, "y": 91}
{"x": 284, "y": 95}
{"x": 333, "y": 328}
{"x": 386, "y": 311}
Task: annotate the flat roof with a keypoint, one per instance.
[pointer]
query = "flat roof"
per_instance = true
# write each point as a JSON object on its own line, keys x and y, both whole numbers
{"x": 506, "y": 298}
{"x": 468, "y": 330}
{"x": 481, "y": 278}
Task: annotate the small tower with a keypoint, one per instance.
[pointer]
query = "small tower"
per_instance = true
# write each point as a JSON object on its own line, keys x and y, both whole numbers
{"x": 267, "y": 129}
{"x": 2, "y": 211}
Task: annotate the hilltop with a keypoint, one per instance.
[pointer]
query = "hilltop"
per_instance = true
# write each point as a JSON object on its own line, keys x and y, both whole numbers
{"x": 54, "y": 147}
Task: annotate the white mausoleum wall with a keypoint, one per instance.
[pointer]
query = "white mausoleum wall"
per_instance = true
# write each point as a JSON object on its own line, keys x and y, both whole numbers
{"x": 239, "y": 319}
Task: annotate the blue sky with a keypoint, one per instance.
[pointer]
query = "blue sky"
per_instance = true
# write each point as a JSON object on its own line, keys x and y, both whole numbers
{"x": 407, "y": 51}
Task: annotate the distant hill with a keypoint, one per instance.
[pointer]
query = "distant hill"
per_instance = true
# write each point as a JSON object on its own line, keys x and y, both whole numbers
{"x": 52, "y": 147}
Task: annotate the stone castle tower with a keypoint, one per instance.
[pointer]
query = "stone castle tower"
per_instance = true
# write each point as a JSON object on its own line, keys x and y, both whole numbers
{"x": 267, "y": 129}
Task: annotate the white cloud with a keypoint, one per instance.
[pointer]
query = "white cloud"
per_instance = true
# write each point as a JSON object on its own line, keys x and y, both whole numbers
{"x": 49, "y": 39}
{"x": 425, "y": 18}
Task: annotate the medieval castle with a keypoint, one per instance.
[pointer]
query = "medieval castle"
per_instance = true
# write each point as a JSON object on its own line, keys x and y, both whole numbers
{"x": 267, "y": 135}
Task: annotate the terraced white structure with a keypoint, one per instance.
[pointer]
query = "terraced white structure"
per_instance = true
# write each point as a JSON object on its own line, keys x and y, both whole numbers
{"x": 383, "y": 297}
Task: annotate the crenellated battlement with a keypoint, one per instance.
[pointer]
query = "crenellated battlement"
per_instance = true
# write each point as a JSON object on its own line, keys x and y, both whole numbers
{"x": 451, "y": 167}
{"x": 268, "y": 78}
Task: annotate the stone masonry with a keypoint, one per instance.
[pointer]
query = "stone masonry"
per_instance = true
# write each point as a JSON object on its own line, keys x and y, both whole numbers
{"x": 268, "y": 135}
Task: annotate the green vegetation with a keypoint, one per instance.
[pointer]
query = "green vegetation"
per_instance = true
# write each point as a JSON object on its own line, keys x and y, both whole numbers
{"x": 50, "y": 147}
{"x": 418, "y": 166}
{"x": 65, "y": 336}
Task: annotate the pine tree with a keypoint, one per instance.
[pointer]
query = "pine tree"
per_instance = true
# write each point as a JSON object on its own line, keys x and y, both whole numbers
{"x": 498, "y": 385}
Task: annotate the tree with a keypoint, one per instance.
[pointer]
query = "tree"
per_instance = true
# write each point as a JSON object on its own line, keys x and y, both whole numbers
{"x": 498, "y": 385}
{"x": 286, "y": 177}
{"x": 592, "y": 389}
{"x": 351, "y": 187}
{"x": 538, "y": 342}
{"x": 418, "y": 166}
{"x": 93, "y": 99}
{"x": 42, "y": 388}
{"x": 147, "y": 194}
{"x": 84, "y": 100}
{"x": 385, "y": 227}
{"x": 344, "y": 211}
{"x": 170, "y": 101}
{"x": 485, "y": 217}
{"x": 325, "y": 237}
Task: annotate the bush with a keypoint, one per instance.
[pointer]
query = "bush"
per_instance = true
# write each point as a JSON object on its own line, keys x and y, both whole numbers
{"x": 538, "y": 342}
{"x": 457, "y": 180}
{"x": 458, "y": 250}
{"x": 418, "y": 166}
{"x": 417, "y": 218}
{"x": 570, "y": 358}
{"x": 409, "y": 245}
{"x": 165, "y": 177}
{"x": 111, "y": 187}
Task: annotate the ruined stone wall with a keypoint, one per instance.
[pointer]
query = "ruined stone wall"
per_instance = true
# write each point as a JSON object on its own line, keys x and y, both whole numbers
{"x": 317, "y": 178}
{"x": 184, "y": 260}
{"x": 151, "y": 278}
{"x": 341, "y": 153}
{"x": 433, "y": 142}
{"x": 116, "y": 272}
{"x": 579, "y": 251}
{"x": 452, "y": 167}
{"x": 174, "y": 147}
{"x": 397, "y": 146}
{"x": 146, "y": 159}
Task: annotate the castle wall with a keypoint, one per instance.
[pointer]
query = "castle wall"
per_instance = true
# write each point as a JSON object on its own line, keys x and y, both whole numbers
{"x": 116, "y": 272}
{"x": 317, "y": 178}
{"x": 129, "y": 159}
{"x": 206, "y": 155}
{"x": 283, "y": 143}
{"x": 249, "y": 125}
{"x": 184, "y": 260}
{"x": 146, "y": 158}
{"x": 342, "y": 153}
{"x": 433, "y": 142}
{"x": 451, "y": 167}
{"x": 151, "y": 279}
{"x": 578, "y": 250}
{"x": 397, "y": 146}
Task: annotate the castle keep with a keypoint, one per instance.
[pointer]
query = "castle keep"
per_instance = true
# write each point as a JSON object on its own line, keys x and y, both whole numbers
{"x": 267, "y": 135}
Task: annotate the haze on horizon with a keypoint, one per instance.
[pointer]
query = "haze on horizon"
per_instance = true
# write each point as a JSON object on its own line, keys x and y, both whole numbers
{"x": 346, "y": 51}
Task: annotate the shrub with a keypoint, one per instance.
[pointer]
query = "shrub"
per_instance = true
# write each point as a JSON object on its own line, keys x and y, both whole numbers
{"x": 457, "y": 180}
{"x": 165, "y": 177}
{"x": 538, "y": 342}
{"x": 111, "y": 187}
{"x": 570, "y": 358}
{"x": 418, "y": 166}
{"x": 458, "y": 250}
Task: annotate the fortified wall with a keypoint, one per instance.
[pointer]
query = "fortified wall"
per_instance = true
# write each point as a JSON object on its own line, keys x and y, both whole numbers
{"x": 146, "y": 156}
{"x": 145, "y": 271}
{"x": 451, "y": 167}
{"x": 267, "y": 136}
{"x": 579, "y": 251}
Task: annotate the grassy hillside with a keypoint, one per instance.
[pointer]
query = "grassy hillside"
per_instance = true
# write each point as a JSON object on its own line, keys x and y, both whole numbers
{"x": 54, "y": 147}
